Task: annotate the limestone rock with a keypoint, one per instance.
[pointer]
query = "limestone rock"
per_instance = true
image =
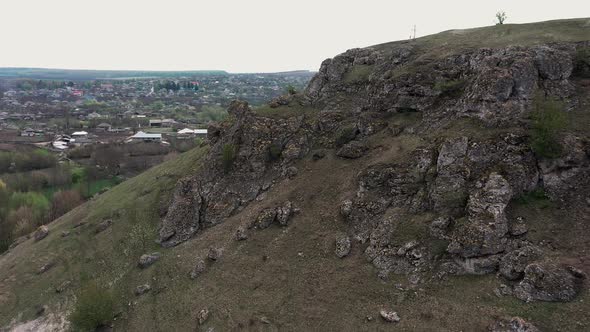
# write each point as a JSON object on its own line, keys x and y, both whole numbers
{"x": 241, "y": 233}
{"x": 352, "y": 150}
{"x": 265, "y": 218}
{"x": 514, "y": 324}
{"x": 513, "y": 264}
{"x": 103, "y": 226}
{"x": 41, "y": 233}
{"x": 548, "y": 282}
{"x": 148, "y": 259}
{"x": 343, "y": 246}
{"x": 199, "y": 268}
{"x": 142, "y": 289}
{"x": 202, "y": 316}
{"x": 389, "y": 316}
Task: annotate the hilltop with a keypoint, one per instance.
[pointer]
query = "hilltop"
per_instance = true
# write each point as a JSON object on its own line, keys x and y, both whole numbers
{"x": 445, "y": 178}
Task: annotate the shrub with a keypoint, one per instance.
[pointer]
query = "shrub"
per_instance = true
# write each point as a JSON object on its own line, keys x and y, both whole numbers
{"x": 93, "y": 309}
{"x": 582, "y": 62}
{"x": 291, "y": 90}
{"x": 274, "y": 151}
{"x": 549, "y": 120}
{"x": 345, "y": 135}
{"x": 64, "y": 201}
{"x": 228, "y": 156}
{"x": 452, "y": 88}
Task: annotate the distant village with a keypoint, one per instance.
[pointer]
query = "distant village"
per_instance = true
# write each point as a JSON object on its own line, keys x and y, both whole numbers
{"x": 62, "y": 114}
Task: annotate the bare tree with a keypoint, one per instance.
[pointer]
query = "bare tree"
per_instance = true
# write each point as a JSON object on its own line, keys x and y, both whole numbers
{"x": 501, "y": 17}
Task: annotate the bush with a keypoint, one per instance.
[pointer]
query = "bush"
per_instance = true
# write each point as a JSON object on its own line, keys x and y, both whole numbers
{"x": 64, "y": 201}
{"x": 549, "y": 120}
{"x": 93, "y": 309}
{"x": 345, "y": 135}
{"x": 274, "y": 151}
{"x": 582, "y": 62}
{"x": 228, "y": 157}
{"x": 452, "y": 88}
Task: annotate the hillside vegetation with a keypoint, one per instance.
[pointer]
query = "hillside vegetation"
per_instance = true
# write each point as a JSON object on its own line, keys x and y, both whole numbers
{"x": 415, "y": 183}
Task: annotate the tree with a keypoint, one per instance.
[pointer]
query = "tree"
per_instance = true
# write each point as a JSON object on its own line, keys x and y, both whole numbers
{"x": 64, "y": 201}
{"x": 501, "y": 17}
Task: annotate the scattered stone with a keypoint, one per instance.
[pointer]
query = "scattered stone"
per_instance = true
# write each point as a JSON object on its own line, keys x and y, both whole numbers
{"x": 512, "y": 265}
{"x": 18, "y": 241}
{"x": 389, "y": 316}
{"x": 284, "y": 213}
{"x": 63, "y": 286}
{"x": 214, "y": 253}
{"x": 503, "y": 290}
{"x": 265, "y": 218}
{"x": 479, "y": 265}
{"x": 291, "y": 172}
{"x": 148, "y": 259}
{"x": 518, "y": 227}
{"x": 548, "y": 282}
{"x": 346, "y": 208}
{"x": 78, "y": 224}
{"x": 202, "y": 316}
{"x": 65, "y": 233}
{"x": 41, "y": 233}
{"x": 40, "y": 310}
{"x": 103, "y": 226}
{"x": 439, "y": 226}
{"x": 199, "y": 268}
{"x": 369, "y": 318}
{"x": 514, "y": 324}
{"x": 265, "y": 320}
{"x": 241, "y": 234}
{"x": 318, "y": 154}
{"x": 142, "y": 289}
{"x": 352, "y": 150}
{"x": 414, "y": 279}
{"x": 343, "y": 245}
{"x": 407, "y": 247}
{"x": 46, "y": 267}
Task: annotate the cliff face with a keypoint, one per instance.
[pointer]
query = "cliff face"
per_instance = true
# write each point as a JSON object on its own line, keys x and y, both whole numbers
{"x": 462, "y": 180}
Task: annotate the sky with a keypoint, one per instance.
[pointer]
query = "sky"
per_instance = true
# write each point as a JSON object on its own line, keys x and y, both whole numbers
{"x": 234, "y": 35}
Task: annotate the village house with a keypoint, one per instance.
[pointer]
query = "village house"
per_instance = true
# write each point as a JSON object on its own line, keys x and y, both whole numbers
{"x": 145, "y": 137}
{"x": 103, "y": 127}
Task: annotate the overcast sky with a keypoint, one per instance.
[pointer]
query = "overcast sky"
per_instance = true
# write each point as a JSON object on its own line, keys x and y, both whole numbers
{"x": 234, "y": 35}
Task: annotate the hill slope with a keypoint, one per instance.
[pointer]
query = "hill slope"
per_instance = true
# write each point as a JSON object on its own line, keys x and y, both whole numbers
{"x": 418, "y": 154}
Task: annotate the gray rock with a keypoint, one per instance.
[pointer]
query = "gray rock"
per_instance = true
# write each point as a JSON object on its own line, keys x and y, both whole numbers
{"x": 41, "y": 233}
{"x": 291, "y": 172}
{"x": 202, "y": 316}
{"x": 241, "y": 233}
{"x": 439, "y": 227}
{"x": 513, "y": 264}
{"x": 46, "y": 267}
{"x": 343, "y": 245}
{"x": 346, "y": 208}
{"x": 198, "y": 269}
{"x": 503, "y": 290}
{"x": 142, "y": 289}
{"x": 214, "y": 253}
{"x": 148, "y": 259}
{"x": 548, "y": 282}
{"x": 352, "y": 150}
{"x": 265, "y": 218}
{"x": 518, "y": 227}
{"x": 65, "y": 233}
{"x": 389, "y": 316}
{"x": 284, "y": 213}
{"x": 318, "y": 154}
{"x": 514, "y": 324}
{"x": 103, "y": 226}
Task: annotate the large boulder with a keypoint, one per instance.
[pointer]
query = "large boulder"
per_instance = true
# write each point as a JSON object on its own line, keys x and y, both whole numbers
{"x": 41, "y": 233}
{"x": 513, "y": 264}
{"x": 549, "y": 282}
{"x": 148, "y": 259}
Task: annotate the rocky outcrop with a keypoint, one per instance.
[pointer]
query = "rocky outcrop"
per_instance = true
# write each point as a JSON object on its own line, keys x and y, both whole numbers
{"x": 247, "y": 154}
{"x": 549, "y": 282}
{"x": 147, "y": 260}
{"x": 514, "y": 324}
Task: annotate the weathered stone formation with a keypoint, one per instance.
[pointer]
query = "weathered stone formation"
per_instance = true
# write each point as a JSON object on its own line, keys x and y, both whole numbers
{"x": 248, "y": 153}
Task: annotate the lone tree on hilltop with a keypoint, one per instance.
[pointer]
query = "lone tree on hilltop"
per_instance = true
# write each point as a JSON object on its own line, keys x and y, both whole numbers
{"x": 501, "y": 17}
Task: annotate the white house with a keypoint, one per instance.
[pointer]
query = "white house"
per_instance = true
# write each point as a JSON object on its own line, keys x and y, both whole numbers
{"x": 141, "y": 136}
{"x": 80, "y": 134}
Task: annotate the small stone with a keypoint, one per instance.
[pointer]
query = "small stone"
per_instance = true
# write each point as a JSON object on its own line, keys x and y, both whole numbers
{"x": 241, "y": 234}
{"x": 142, "y": 289}
{"x": 318, "y": 154}
{"x": 439, "y": 226}
{"x": 41, "y": 233}
{"x": 369, "y": 318}
{"x": 389, "y": 316}
{"x": 346, "y": 208}
{"x": 46, "y": 267}
{"x": 199, "y": 268}
{"x": 406, "y": 247}
{"x": 414, "y": 279}
{"x": 291, "y": 172}
{"x": 503, "y": 290}
{"x": 148, "y": 259}
{"x": 514, "y": 324}
{"x": 518, "y": 227}
{"x": 65, "y": 233}
{"x": 343, "y": 246}
{"x": 214, "y": 253}
{"x": 202, "y": 316}
{"x": 265, "y": 218}
{"x": 78, "y": 224}
{"x": 103, "y": 226}
{"x": 265, "y": 320}
{"x": 352, "y": 150}
{"x": 63, "y": 286}
{"x": 284, "y": 213}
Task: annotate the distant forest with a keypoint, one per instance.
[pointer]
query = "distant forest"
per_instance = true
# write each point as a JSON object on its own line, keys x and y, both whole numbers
{"x": 81, "y": 75}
